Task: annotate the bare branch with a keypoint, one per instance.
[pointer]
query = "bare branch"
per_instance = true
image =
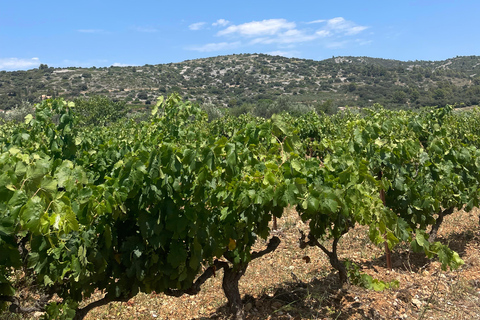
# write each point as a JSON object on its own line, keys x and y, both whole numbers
{"x": 82, "y": 312}
{"x": 272, "y": 246}
{"x": 438, "y": 223}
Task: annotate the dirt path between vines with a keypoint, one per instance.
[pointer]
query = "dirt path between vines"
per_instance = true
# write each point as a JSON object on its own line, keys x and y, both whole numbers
{"x": 282, "y": 285}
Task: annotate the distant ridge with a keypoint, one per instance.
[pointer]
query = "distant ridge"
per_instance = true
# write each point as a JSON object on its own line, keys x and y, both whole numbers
{"x": 233, "y": 80}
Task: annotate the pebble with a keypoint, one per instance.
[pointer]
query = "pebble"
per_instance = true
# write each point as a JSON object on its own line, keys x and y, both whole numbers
{"x": 276, "y": 305}
{"x": 417, "y": 303}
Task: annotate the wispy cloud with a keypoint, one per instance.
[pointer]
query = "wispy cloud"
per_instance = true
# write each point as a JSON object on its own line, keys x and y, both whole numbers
{"x": 323, "y": 33}
{"x": 97, "y": 31}
{"x": 316, "y": 21}
{"x": 341, "y": 26}
{"x": 221, "y": 23}
{"x": 258, "y": 28}
{"x": 18, "y": 63}
{"x": 197, "y": 26}
{"x": 118, "y": 64}
{"x": 288, "y": 54}
{"x": 287, "y": 37}
{"x": 145, "y": 29}
{"x": 210, "y": 47}
{"x": 281, "y": 33}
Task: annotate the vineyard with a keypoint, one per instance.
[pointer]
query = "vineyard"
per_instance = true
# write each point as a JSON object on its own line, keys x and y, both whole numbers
{"x": 165, "y": 205}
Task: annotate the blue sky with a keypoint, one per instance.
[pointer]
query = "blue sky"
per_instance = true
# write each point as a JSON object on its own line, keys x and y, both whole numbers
{"x": 104, "y": 33}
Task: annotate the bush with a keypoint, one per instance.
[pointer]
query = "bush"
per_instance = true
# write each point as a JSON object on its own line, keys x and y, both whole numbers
{"x": 212, "y": 111}
{"x": 19, "y": 112}
{"x": 100, "y": 110}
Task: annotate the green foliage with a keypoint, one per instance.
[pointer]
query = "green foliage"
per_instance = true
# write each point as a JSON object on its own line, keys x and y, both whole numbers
{"x": 99, "y": 110}
{"x": 358, "y": 278}
{"x": 19, "y": 112}
{"x": 144, "y": 206}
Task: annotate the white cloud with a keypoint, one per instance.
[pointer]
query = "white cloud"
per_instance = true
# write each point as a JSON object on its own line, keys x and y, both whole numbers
{"x": 118, "y": 64}
{"x": 356, "y": 30}
{"x": 316, "y": 21}
{"x": 281, "y": 31}
{"x": 281, "y": 34}
{"x": 258, "y": 28}
{"x": 18, "y": 64}
{"x": 288, "y": 54}
{"x": 323, "y": 33}
{"x": 145, "y": 29}
{"x": 289, "y": 36}
{"x": 92, "y": 31}
{"x": 209, "y": 47}
{"x": 221, "y": 23}
{"x": 341, "y": 26}
{"x": 196, "y": 26}
{"x": 294, "y": 36}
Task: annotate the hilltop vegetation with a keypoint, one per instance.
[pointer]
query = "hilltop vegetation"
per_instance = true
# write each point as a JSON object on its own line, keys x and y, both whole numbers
{"x": 240, "y": 81}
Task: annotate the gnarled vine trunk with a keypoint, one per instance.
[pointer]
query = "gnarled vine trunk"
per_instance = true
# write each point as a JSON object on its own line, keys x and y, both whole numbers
{"x": 231, "y": 277}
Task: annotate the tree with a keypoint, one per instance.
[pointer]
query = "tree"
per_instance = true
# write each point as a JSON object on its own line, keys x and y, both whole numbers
{"x": 399, "y": 96}
{"x": 326, "y": 107}
{"x": 142, "y": 95}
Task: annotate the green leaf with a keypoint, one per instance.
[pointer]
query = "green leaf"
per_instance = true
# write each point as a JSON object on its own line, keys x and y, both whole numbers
{"x": 39, "y": 169}
{"x": 20, "y": 169}
{"x": 295, "y": 164}
{"x": 269, "y": 179}
{"x": 28, "y": 118}
{"x": 420, "y": 238}
{"x": 31, "y": 213}
{"x": 49, "y": 184}
{"x": 312, "y": 204}
{"x": 378, "y": 285}
{"x": 47, "y": 281}
{"x": 231, "y": 155}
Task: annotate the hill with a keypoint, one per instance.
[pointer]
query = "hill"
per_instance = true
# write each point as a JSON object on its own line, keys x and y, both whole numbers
{"x": 236, "y": 80}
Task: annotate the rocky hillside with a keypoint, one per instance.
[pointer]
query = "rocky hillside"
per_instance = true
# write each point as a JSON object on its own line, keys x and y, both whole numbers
{"x": 236, "y": 80}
